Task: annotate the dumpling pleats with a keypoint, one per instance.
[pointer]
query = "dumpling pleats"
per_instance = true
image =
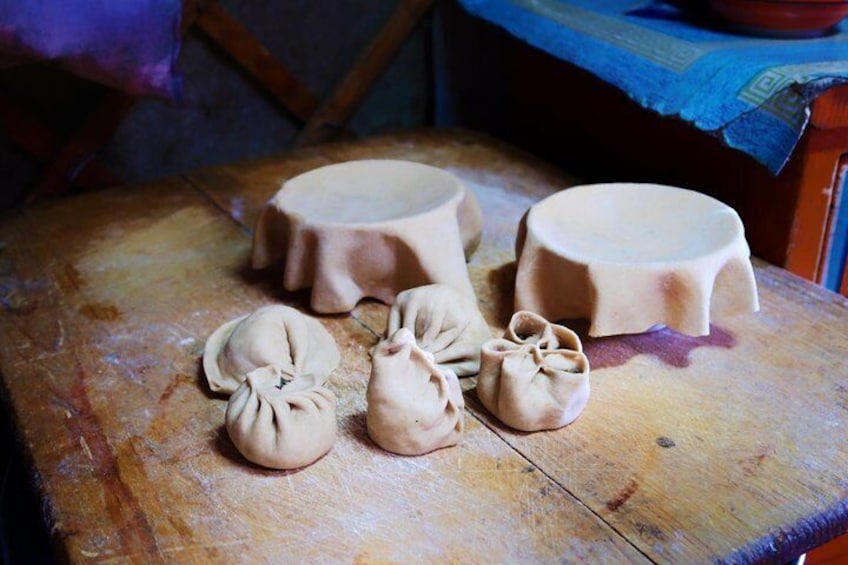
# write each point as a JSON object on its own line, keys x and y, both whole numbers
{"x": 414, "y": 406}
{"x": 273, "y": 335}
{"x": 445, "y": 323}
{"x": 280, "y": 424}
{"x": 536, "y": 378}
{"x": 529, "y": 328}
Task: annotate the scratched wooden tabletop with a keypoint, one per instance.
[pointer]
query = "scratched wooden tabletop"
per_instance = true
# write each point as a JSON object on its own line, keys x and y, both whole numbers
{"x": 731, "y": 447}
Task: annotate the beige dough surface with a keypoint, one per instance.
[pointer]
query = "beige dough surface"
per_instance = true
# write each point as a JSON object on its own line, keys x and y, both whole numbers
{"x": 536, "y": 377}
{"x": 630, "y": 256}
{"x": 369, "y": 228}
{"x": 274, "y": 335}
{"x": 527, "y": 328}
{"x": 279, "y": 424}
{"x": 445, "y": 323}
{"x": 413, "y": 405}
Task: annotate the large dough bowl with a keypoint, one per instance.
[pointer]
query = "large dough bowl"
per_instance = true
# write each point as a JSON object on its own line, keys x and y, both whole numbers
{"x": 369, "y": 229}
{"x": 629, "y": 257}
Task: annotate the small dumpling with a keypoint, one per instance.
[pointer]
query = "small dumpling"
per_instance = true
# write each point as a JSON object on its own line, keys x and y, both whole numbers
{"x": 280, "y": 423}
{"x": 446, "y": 323}
{"x": 537, "y": 378}
{"x": 274, "y": 335}
{"x": 414, "y": 406}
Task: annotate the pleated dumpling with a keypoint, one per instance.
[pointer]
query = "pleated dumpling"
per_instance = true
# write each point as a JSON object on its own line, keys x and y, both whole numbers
{"x": 445, "y": 322}
{"x": 536, "y": 378}
{"x": 529, "y": 328}
{"x": 280, "y": 423}
{"x": 274, "y": 335}
{"x": 414, "y": 406}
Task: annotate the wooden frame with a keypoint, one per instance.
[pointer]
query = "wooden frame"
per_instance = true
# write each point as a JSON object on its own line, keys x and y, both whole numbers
{"x": 67, "y": 160}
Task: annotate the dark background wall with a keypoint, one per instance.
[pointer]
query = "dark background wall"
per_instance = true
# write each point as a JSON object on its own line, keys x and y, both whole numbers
{"x": 224, "y": 116}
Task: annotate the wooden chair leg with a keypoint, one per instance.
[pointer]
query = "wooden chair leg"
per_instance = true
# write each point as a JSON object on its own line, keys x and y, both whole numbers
{"x": 335, "y": 111}
{"x": 832, "y": 237}
{"x": 843, "y": 290}
{"x": 822, "y": 151}
{"x": 825, "y": 147}
{"x": 843, "y": 284}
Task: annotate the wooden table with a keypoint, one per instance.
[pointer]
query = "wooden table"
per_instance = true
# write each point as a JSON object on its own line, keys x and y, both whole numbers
{"x": 730, "y": 447}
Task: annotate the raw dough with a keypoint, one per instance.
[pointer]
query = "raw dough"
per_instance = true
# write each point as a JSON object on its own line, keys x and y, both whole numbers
{"x": 414, "y": 406}
{"x": 369, "y": 228}
{"x": 445, "y": 323}
{"x": 274, "y": 335}
{"x": 279, "y": 423}
{"x": 630, "y": 256}
{"x": 536, "y": 378}
{"x": 529, "y": 328}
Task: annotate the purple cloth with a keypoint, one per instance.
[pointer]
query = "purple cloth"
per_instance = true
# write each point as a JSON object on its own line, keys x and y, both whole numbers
{"x": 130, "y": 45}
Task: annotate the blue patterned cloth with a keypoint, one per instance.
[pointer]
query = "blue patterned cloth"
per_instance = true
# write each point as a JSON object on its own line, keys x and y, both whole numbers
{"x": 752, "y": 93}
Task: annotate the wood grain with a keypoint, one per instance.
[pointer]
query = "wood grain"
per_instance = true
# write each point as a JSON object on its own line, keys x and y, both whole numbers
{"x": 830, "y": 110}
{"x": 107, "y": 300}
{"x": 728, "y": 447}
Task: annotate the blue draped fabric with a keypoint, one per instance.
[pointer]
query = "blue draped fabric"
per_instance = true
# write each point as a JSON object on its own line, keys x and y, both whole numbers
{"x": 752, "y": 93}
